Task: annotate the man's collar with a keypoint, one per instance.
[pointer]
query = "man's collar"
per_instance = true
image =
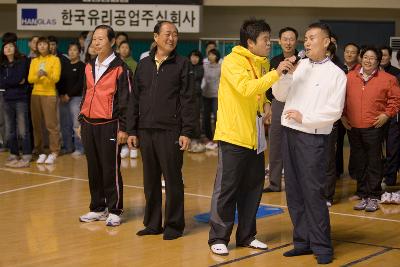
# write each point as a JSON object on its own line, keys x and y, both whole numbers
{"x": 107, "y": 61}
{"x": 320, "y": 62}
{"x": 369, "y": 76}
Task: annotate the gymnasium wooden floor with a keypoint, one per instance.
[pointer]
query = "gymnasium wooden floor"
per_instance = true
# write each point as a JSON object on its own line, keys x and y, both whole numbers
{"x": 40, "y": 206}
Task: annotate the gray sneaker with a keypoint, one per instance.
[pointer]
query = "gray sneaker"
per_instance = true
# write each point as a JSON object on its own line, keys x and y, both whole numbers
{"x": 372, "y": 205}
{"x": 11, "y": 163}
{"x": 21, "y": 164}
{"x": 361, "y": 205}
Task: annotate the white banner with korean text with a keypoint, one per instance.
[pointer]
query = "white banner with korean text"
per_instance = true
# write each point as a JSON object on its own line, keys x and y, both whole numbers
{"x": 127, "y": 17}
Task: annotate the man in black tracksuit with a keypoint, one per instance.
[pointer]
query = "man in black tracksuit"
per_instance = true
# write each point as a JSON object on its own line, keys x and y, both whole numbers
{"x": 103, "y": 117}
{"x": 392, "y": 134}
{"x": 161, "y": 116}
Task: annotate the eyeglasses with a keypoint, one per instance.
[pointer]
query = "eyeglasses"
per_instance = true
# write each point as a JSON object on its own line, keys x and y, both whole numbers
{"x": 371, "y": 59}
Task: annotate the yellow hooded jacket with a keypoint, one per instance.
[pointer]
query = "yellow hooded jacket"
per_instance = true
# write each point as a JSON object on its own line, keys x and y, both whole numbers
{"x": 240, "y": 95}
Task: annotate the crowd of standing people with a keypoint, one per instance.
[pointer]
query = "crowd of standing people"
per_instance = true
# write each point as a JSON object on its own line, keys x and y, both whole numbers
{"x": 99, "y": 102}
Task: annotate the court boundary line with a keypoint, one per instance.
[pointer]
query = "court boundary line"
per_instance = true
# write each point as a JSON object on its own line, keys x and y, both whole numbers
{"x": 370, "y": 256}
{"x": 365, "y": 244}
{"x": 250, "y": 255}
{"x": 363, "y": 259}
{"x": 195, "y": 195}
{"x": 33, "y": 186}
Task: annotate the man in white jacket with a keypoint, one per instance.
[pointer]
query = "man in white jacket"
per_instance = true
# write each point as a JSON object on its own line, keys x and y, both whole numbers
{"x": 314, "y": 94}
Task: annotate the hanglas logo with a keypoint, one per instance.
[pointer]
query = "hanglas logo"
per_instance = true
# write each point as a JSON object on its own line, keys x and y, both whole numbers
{"x": 30, "y": 17}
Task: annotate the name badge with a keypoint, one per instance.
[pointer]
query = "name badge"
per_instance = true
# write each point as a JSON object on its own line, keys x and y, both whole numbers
{"x": 261, "y": 141}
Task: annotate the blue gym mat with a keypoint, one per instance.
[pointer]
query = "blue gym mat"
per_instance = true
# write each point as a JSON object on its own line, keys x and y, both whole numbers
{"x": 263, "y": 211}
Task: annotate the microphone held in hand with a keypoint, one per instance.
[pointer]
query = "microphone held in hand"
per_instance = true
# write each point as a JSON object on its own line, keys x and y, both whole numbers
{"x": 300, "y": 55}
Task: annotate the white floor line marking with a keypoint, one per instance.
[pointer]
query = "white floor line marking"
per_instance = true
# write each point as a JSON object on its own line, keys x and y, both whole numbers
{"x": 39, "y": 173}
{"x": 33, "y": 186}
{"x": 188, "y": 194}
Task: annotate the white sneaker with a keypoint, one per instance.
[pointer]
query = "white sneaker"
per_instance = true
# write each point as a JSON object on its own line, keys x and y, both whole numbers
{"x": 77, "y": 153}
{"x": 395, "y": 199}
{"x": 51, "y": 158}
{"x": 133, "y": 154}
{"x": 113, "y": 220}
{"x": 12, "y": 157}
{"x": 22, "y": 163}
{"x": 211, "y": 145}
{"x": 386, "y": 198}
{"x": 219, "y": 249}
{"x": 258, "y": 244}
{"x": 124, "y": 151}
{"x": 41, "y": 159}
{"x": 94, "y": 216}
{"x": 329, "y": 204}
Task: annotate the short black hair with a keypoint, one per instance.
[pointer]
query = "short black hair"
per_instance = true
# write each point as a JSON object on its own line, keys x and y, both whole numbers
{"x": 288, "y": 29}
{"x": 52, "y": 38}
{"x": 353, "y": 44}
{"x": 198, "y": 54}
{"x": 125, "y": 42}
{"x": 388, "y": 48}
{"x": 251, "y": 29}
{"x": 83, "y": 34}
{"x": 377, "y": 52}
{"x": 332, "y": 48}
{"x": 9, "y": 37}
{"x": 110, "y": 31}
{"x": 324, "y": 27}
{"x": 334, "y": 36}
{"x": 211, "y": 43}
{"x": 43, "y": 39}
{"x": 216, "y": 53}
{"x": 33, "y": 37}
{"x": 4, "y": 58}
{"x": 77, "y": 44}
{"x": 159, "y": 24}
{"x": 122, "y": 34}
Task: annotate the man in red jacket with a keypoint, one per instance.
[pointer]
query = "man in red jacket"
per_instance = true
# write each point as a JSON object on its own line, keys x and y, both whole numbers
{"x": 372, "y": 97}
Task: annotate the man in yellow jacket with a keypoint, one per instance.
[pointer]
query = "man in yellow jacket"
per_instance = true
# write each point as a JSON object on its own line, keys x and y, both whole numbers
{"x": 240, "y": 176}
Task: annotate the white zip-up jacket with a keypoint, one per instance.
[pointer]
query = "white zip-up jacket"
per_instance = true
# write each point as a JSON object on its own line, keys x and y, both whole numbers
{"x": 317, "y": 90}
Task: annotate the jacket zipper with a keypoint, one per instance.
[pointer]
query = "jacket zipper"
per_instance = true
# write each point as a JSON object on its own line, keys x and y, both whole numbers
{"x": 153, "y": 87}
{"x": 94, "y": 87}
{"x": 91, "y": 100}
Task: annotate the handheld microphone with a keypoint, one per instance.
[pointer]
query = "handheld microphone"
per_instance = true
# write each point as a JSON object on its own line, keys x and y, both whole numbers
{"x": 300, "y": 55}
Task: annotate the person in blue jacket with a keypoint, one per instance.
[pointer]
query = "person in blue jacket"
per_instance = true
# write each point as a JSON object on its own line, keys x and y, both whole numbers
{"x": 13, "y": 72}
